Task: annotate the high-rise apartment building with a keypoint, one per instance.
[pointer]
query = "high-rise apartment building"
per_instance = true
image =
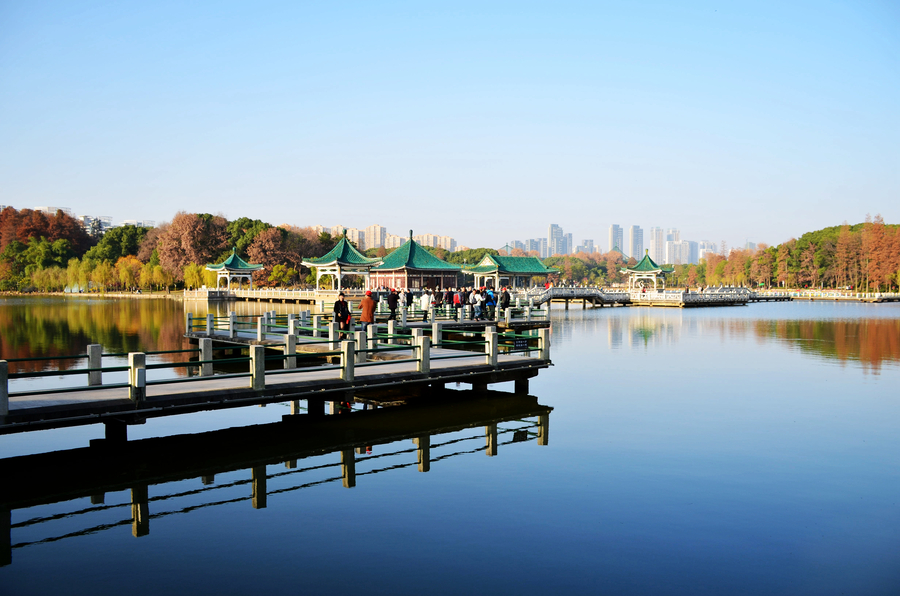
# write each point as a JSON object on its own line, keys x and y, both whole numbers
{"x": 673, "y": 235}
{"x": 447, "y": 243}
{"x": 658, "y": 245}
{"x": 705, "y": 247}
{"x": 375, "y": 236}
{"x": 616, "y": 239}
{"x": 682, "y": 252}
{"x": 514, "y": 244}
{"x": 357, "y": 237}
{"x": 636, "y": 242}
{"x": 556, "y": 240}
{"x": 569, "y": 248}
{"x": 586, "y": 246}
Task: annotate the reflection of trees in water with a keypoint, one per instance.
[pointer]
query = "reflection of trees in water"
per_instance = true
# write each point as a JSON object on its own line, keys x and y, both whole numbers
{"x": 40, "y": 327}
{"x": 868, "y": 341}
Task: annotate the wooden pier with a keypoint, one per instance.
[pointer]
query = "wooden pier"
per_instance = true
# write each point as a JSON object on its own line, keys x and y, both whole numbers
{"x": 359, "y": 366}
{"x": 134, "y": 466}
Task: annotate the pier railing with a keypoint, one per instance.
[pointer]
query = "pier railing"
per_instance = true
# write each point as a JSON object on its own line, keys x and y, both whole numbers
{"x": 348, "y": 352}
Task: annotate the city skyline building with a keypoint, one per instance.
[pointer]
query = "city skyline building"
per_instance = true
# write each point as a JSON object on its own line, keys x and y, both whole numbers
{"x": 635, "y": 242}
{"x": 616, "y": 239}
{"x": 657, "y": 245}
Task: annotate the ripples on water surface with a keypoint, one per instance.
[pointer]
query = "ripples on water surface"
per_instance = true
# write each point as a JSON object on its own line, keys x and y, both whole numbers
{"x": 731, "y": 450}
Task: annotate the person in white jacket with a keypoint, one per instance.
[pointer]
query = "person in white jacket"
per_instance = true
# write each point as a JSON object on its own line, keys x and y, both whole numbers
{"x": 425, "y": 304}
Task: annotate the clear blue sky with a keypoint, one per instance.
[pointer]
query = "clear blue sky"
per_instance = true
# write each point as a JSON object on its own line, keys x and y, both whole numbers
{"x": 485, "y": 121}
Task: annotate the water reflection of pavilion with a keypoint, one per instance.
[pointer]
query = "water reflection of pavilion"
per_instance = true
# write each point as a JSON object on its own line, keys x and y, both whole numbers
{"x": 91, "y": 473}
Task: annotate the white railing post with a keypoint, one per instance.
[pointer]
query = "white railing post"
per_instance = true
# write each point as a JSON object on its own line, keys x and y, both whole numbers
{"x": 293, "y": 325}
{"x": 137, "y": 376}
{"x": 290, "y": 350}
{"x": 261, "y": 328}
{"x": 209, "y": 325}
{"x": 424, "y": 348}
{"x": 508, "y": 315}
{"x": 544, "y": 341}
{"x": 416, "y": 334}
{"x": 95, "y": 360}
{"x": 360, "y": 338}
{"x": 334, "y": 335}
{"x": 436, "y": 330}
{"x": 317, "y": 323}
{"x": 206, "y": 354}
{"x": 528, "y": 312}
{"x": 392, "y": 330}
{"x": 232, "y": 319}
{"x": 257, "y": 368}
{"x": 189, "y": 324}
{"x": 490, "y": 348}
{"x": 403, "y": 315}
{"x": 373, "y": 337}
{"x": 348, "y": 356}
{"x": 4, "y": 390}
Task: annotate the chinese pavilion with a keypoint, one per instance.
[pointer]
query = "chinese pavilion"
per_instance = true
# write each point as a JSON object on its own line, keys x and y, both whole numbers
{"x": 234, "y": 267}
{"x": 517, "y": 272}
{"x": 646, "y": 270}
{"x": 341, "y": 260}
{"x": 411, "y": 266}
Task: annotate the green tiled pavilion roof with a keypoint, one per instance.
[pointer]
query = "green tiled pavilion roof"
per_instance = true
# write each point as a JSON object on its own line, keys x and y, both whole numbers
{"x": 343, "y": 253}
{"x": 234, "y": 263}
{"x": 510, "y": 265}
{"x": 647, "y": 266}
{"x": 413, "y": 256}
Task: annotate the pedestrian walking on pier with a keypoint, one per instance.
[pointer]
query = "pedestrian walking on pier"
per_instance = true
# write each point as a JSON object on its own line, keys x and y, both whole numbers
{"x": 367, "y": 306}
{"x": 425, "y": 304}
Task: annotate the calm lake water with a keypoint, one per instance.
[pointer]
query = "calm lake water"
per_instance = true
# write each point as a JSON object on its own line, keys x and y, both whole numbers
{"x": 750, "y": 450}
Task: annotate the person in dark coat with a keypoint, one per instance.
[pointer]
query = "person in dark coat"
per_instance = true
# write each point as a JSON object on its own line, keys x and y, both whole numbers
{"x": 393, "y": 302}
{"x": 342, "y": 312}
{"x": 504, "y": 300}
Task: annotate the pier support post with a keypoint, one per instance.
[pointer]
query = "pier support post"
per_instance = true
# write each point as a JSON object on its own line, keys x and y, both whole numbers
{"x": 208, "y": 479}
{"x": 360, "y": 338}
{"x": 348, "y": 467}
{"x": 140, "y": 511}
{"x": 293, "y": 324}
{"x": 490, "y": 433}
{"x": 436, "y": 329}
{"x": 5, "y": 536}
{"x": 115, "y": 432}
{"x": 206, "y": 355}
{"x": 95, "y": 360}
{"x": 210, "y": 325}
{"x": 315, "y": 407}
{"x": 137, "y": 377}
{"x": 543, "y": 429}
{"x": 403, "y": 315}
{"x": 258, "y": 473}
{"x": 189, "y": 324}
{"x": 544, "y": 341}
{"x": 528, "y": 312}
{"x": 232, "y": 319}
{"x": 257, "y": 368}
{"x": 261, "y": 328}
{"x": 423, "y": 346}
{"x": 423, "y": 452}
{"x": 348, "y": 356}
{"x": 508, "y": 315}
{"x": 490, "y": 348}
{"x": 98, "y": 498}
{"x": 4, "y": 390}
{"x": 295, "y": 407}
{"x": 521, "y": 385}
{"x": 290, "y": 350}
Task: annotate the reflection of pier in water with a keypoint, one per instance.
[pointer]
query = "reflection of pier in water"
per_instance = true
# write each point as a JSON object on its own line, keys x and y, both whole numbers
{"x": 135, "y": 466}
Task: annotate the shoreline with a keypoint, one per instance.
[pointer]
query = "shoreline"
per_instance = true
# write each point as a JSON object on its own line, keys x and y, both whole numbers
{"x": 153, "y": 296}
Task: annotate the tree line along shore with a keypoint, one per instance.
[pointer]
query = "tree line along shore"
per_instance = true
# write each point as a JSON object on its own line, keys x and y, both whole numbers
{"x": 50, "y": 253}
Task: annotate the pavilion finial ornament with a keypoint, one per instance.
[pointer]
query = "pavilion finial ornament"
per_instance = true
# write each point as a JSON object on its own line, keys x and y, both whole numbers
{"x": 410, "y": 234}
